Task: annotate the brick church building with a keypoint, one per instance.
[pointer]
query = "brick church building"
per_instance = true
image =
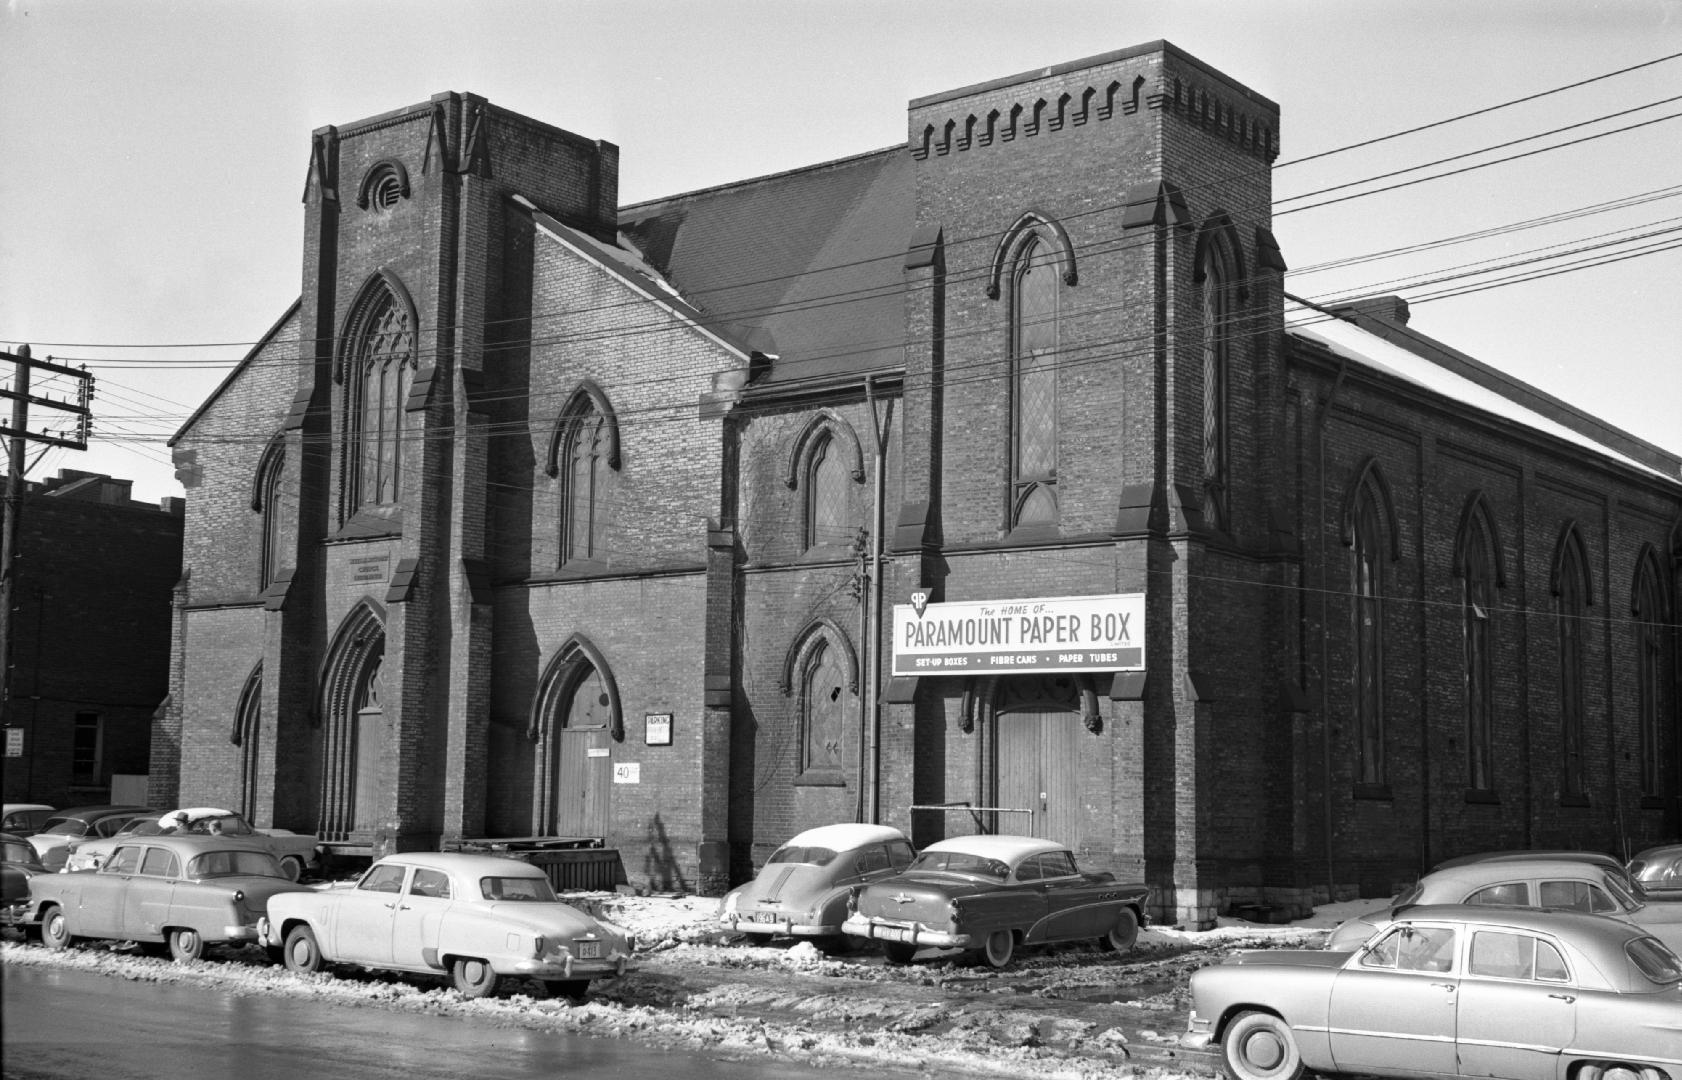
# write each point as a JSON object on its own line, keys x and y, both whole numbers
{"x": 972, "y": 483}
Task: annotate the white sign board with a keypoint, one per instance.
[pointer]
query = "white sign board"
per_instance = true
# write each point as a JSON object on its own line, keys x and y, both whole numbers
{"x": 1038, "y": 634}
{"x": 627, "y": 772}
{"x": 14, "y": 742}
{"x": 657, "y": 729}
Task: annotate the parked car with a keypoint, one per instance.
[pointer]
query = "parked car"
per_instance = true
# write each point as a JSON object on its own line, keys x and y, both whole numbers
{"x": 1446, "y": 990}
{"x": 20, "y": 863}
{"x": 52, "y": 843}
{"x": 1547, "y": 883}
{"x": 179, "y": 893}
{"x": 992, "y": 894}
{"x": 1599, "y": 858}
{"x": 804, "y": 887}
{"x": 475, "y": 918}
{"x": 90, "y": 852}
{"x": 297, "y": 852}
{"x": 24, "y": 818}
{"x": 1658, "y": 870}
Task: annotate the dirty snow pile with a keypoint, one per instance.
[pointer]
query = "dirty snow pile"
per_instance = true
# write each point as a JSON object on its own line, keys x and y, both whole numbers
{"x": 1070, "y": 1014}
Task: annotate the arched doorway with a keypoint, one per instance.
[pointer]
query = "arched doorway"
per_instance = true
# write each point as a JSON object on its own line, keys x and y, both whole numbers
{"x": 1035, "y": 757}
{"x": 575, "y": 721}
{"x": 353, "y": 730}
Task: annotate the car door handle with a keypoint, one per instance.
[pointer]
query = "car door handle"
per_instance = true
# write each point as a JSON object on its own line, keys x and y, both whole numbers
{"x": 402, "y": 907}
{"x": 1444, "y": 986}
{"x": 1567, "y": 998}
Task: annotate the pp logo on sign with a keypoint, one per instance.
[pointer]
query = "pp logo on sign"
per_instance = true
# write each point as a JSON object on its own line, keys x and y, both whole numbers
{"x": 919, "y": 601}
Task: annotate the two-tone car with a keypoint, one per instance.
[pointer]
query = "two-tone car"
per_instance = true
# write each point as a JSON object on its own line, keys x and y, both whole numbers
{"x": 1565, "y": 883}
{"x": 24, "y": 819}
{"x": 992, "y": 894}
{"x": 478, "y": 919}
{"x": 804, "y": 888}
{"x": 298, "y": 852}
{"x": 52, "y": 843}
{"x": 1452, "y": 990}
{"x": 168, "y": 893}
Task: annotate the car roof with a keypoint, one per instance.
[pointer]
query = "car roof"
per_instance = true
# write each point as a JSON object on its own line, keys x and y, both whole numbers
{"x": 1004, "y": 848}
{"x": 85, "y": 813}
{"x": 190, "y": 844}
{"x": 844, "y": 837}
{"x": 13, "y": 807}
{"x": 454, "y": 862}
{"x": 1496, "y": 870}
{"x": 1571, "y": 923}
{"x": 1600, "y": 858}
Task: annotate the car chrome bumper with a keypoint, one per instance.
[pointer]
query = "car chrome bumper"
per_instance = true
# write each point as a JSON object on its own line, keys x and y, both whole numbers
{"x": 1200, "y": 1033}
{"x": 569, "y": 968}
{"x": 908, "y": 933}
{"x": 241, "y": 933}
{"x": 747, "y": 925}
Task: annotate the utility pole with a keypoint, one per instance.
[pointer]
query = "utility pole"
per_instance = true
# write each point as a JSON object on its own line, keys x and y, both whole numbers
{"x": 18, "y": 433}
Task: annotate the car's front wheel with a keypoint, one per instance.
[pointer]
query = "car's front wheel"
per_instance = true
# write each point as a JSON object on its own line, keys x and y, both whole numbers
{"x": 1260, "y": 1046}
{"x": 1123, "y": 934}
{"x": 55, "y": 932}
{"x": 292, "y": 868}
{"x": 186, "y": 944}
{"x": 303, "y": 955}
{"x": 898, "y": 952}
{"x": 474, "y": 978}
{"x": 1000, "y": 947}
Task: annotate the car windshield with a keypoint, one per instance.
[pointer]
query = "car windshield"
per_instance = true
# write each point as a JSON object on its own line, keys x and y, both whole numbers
{"x": 960, "y": 862}
{"x": 528, "y": 889}
{"x": 794, "y": 853}
{"x": 1621, "y": 895}
{"x": 65, "y": 827}
{"x": 214, "y": 864}
{"x": 141, "y": 826}
{"x": 1655, "y": 961}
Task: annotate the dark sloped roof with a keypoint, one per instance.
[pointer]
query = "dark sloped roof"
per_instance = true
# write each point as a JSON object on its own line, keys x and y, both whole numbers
{"x": 807, "y": 266}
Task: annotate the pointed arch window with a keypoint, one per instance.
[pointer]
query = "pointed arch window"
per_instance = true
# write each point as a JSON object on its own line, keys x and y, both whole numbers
{"x": 378, "y": 376}
{"x": 584, "y": 485}
{"x": 1477, "y": 605}
{"x": 277, "y": 508}
{"x": 1649, "y": 613}
{"x": 1571, "y": 608}
{"x": 1216, "y": 272}
{"x": 1367, "y": 634}
{"x": 829, "y": 518}
{"x": 1036, "y": 289}
{"x": 247, "y": 735}
{"x": 821, "y": 669}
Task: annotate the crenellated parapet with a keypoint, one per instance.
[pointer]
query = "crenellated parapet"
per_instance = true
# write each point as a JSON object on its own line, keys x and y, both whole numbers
{"x": 1095, "y": 91}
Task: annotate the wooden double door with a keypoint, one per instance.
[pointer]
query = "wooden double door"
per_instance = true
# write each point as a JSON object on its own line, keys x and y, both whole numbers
{"x": 1037, "y": 767}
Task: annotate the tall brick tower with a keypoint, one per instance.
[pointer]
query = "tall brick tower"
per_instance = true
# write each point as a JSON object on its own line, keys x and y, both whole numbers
{"x": 408, "y": 330}
{"x": 1092, "y": 390}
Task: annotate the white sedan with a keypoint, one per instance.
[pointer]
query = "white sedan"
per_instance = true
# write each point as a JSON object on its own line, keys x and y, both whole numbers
{"x": 475, "y": 918}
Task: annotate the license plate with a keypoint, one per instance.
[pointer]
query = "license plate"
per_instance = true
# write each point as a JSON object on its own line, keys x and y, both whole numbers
{"x": 767, "y": 916}
{"x": 589, "y": 950}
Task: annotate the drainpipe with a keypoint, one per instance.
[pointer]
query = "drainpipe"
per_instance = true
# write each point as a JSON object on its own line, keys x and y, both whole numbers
{"x": 873, "y": 672}
{"x": 1325, "y": 628}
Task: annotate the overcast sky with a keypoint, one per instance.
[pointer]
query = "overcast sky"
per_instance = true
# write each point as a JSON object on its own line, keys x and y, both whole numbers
{"x": 154, "y": 154}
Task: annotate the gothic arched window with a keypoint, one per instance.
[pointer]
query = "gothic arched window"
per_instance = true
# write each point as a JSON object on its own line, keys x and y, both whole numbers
{"x": 247, "y": 735}
{"x": 824, "y": 701}
{"x": 1367, "y": 635}
{"x": 584, "y": 472}
{"x": 1571, "y": 607}
{"x": 828, "y": 484}
{"x": 1035, "y": 295}
{"x": 277, "y": 507}
{"x": 1218, "y": 288}
{"x": 380, "y": 370}
{"x": 1477, "y": 605}
{"x": 1649, "y": 674}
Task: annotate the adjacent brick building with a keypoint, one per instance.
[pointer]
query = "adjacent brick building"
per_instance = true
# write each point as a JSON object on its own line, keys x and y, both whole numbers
{"x": 539, "y": 515}
{"x": 90, "y": 645}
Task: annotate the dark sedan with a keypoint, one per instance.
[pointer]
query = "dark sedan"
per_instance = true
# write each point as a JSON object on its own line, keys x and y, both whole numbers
{"x": 19, "y": 865}
{"x": 993, "y": 893}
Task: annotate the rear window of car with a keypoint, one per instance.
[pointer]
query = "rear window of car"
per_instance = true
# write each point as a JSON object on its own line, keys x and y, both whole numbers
{"x": 814, "y": 856}
{"x": 18, "y": 854}
{"x": 959, "y": 862}
{"x": 214, "y": 864}
{"x": 1658, "y": 963}
{"x": 61, "y": 826}
{"x": 523, "y": 889}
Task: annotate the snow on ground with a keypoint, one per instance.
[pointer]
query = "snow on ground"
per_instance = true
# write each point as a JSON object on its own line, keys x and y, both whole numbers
{"x": 1073, "y": 1012}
